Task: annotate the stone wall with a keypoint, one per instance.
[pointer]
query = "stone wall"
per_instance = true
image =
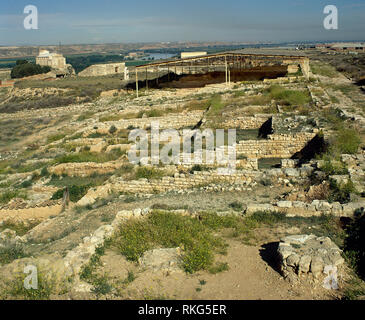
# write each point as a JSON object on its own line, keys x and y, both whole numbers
{"x": 186, "y": 181}
{"x": 305, "y": 209}
{"x": 85, "y": 169}
{"x": 173, "y": 120}
{"x": 31, "y": 213}
{"x": 276, "y": 146}
{"x": 254, "y": 122}
{"x": 102, "y": 69}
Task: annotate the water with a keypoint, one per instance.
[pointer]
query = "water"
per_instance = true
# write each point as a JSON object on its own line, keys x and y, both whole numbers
{"x": 158, "y": 56}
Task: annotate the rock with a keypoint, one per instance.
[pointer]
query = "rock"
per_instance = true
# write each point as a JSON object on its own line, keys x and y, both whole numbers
{"x": 162, "y": 259}
{"x": 304, "y": 264}
{"x": 340, "y": 179}
{"x": 336, "y": 258}
{"x": 302, "y": 254}
{"x": 7, "y": 234}
{"x": 98, "y": 148}
{"x": 284, "y": 204}
{"x": 255, "y": 207}
{"x": 285, "y": 250}
{"x": 290, "y": 172}
{"x": 293, "y": 260}
{"x": 317, "y": 266}
{"x": 297, "y": 239}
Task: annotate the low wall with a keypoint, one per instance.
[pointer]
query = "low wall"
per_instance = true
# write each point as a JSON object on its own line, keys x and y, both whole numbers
{"x": 34, "y": 213}
{"x": 304, "y": 209}
{"x": 102, "y": 69}
{"x": 173, "y": 120}
{"x": 254, "y": 122}
{"x": 85, "y": 169}
{"x": 276, "y": 146}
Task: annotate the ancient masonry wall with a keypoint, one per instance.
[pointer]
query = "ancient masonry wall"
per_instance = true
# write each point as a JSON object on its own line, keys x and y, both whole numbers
{"x": 177, "y": 120}
{"x": 276, "y": 146}
{"x": 254, "y": 122}
{"x": 85, "y": 169}
{"x": 182, "y": 181}
{"x": 102, "y": 69}
{"x": 31, "y": 213}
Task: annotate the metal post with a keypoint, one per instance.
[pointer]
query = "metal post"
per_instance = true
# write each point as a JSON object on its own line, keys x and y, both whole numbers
{"x": 146, "y": 80}
{"x": 137, "y": 82}
{"x": 225, "y": 58}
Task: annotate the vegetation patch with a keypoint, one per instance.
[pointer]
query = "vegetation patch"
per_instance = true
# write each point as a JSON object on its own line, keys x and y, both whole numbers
{"x": 75, "y": 192}
{"x": 10, "y": 252}
{"x": 8, "y": 195}
{"x": 289, "y": 97}
{"x": 149, "y": 173}
{"x": 86, "y": 156}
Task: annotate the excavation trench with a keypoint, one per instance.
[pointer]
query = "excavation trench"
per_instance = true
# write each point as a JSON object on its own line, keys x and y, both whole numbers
{"x": 173, "y": 80}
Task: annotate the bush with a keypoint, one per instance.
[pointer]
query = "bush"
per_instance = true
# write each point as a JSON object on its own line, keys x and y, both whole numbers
{"x": 75, "y": 192}
{"x": 11, "y": 252}
{"x": 112, "y": 129}
{"x": 341, "y": 192}
{"x": 6, "y": 196}
{"x": 236, "y": 206}
{"x": 148, "y": 173}
{"x": 25, "y": 69}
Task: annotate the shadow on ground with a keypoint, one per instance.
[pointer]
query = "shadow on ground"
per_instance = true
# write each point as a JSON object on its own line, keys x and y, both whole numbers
{"x": 268, "y": 253}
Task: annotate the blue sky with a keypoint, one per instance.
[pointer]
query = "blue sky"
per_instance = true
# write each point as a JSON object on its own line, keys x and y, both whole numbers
{"x": 109, "y": 21}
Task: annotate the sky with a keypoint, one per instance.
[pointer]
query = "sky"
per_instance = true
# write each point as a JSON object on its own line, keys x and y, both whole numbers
{"x": 121, "y": 21}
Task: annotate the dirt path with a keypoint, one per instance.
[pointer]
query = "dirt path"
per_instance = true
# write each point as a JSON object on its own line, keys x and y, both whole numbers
{"x": 250, "y": 277}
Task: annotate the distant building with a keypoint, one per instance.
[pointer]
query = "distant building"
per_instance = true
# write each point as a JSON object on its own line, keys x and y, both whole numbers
{"x": 344, "y": 46}
{"x": 193, "y": 54}
{"x": 53, "y": 60}
{"x": 102, "y": 69}
{"x": 133, "y": 54}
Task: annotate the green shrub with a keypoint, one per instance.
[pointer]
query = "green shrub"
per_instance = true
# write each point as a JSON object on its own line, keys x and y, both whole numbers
{"x": 333, "y": 167}
{"x": 113, "y": 129}
{"x": 55, "y": 137}
{"x": 11, "y": 252}
{"x": 24, "y": 69}
{"x": 6, "y": 196}
{"x": 341, "y": 192}
{"x": 75, "y": 192}
{"x": 148, "y": 173}
{"x": 236, "y": 206}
